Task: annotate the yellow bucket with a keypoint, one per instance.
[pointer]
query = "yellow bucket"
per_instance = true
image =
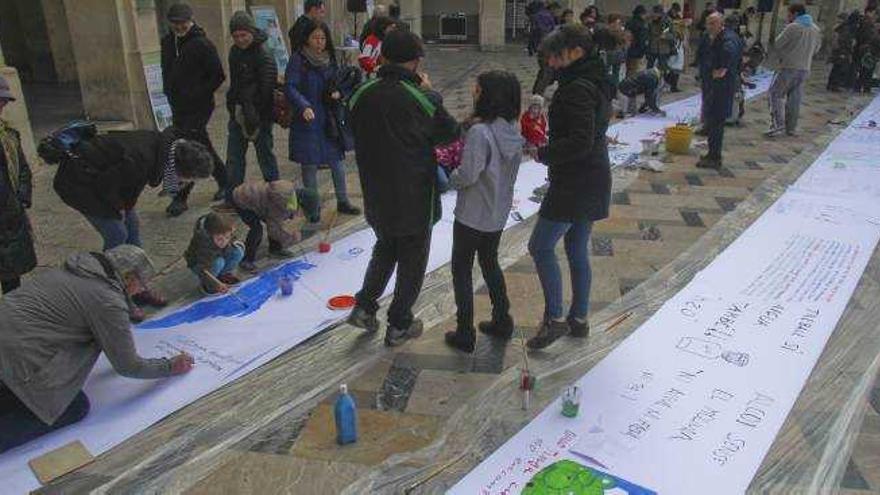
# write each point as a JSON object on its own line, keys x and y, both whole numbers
{"x": 678, "y": 139}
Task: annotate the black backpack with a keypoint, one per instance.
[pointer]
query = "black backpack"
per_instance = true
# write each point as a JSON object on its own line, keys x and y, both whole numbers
{"x": 62, "y": 144}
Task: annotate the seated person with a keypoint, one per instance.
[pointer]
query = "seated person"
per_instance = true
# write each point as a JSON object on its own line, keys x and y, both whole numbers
{"x": 648, "y": 82}
{"x": 272, "y": 203}
{"x": 52, "y": 331}
{"x": 214, "y": 253}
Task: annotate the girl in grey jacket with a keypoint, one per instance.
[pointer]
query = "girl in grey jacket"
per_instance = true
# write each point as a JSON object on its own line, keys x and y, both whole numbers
{"x": 484, "y": 181}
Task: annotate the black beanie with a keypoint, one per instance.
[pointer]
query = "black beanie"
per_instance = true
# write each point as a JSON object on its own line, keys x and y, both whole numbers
{"x": 179, "y": 12}
{"x": 400, "y": 47}
{"x": 242, "y": 21}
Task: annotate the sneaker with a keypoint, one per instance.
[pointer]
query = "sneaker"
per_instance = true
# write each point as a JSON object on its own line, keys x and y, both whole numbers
{"x": 463, "y": 340}
{"x": 176, "y": 208}
{"x": 229, "y": 279}
{"x": 282, "y": 252}
{"x": 209, "y": 290}
{"x": 347, "y": 209}
{"x": 136, "y": 314}
{"x": 149, "y": 297}
{"x": 248, "y": 266}
{"x": 360, "y": 318}
{"x": 709, "y": 162}
{"x": 579, "y": 329}
{"x": 395, "y": 336}
{"x": 501, "y": 329}
{"x": 773, "y": 132}
{"x": 549, "y": 332}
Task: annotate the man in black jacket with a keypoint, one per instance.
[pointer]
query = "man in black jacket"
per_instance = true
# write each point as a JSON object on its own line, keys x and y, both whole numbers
{"x": 397, "y": 120}
{"x": 719, "y": 66}
{"x": 191, "y": 73}
{"x": 253, "y": 75}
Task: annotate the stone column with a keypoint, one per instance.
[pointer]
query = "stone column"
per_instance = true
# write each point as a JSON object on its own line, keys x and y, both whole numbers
{"x": 411, "y": 12}
{"x": 59, "y": 40}
{"x": 16, "y": 112}
{"x": 491, "y": 25}
{"x": 214, "y": 16}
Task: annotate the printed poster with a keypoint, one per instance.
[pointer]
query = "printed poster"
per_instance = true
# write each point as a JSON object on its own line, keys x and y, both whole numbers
{"x": 267, "y": 20}
{"x": 158, "y": 100}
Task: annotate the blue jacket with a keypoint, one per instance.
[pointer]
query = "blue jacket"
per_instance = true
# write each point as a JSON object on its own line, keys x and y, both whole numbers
{"x": 307, "y": 86}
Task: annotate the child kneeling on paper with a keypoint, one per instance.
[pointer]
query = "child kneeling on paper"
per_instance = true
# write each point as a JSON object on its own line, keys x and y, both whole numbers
{"x": 485, "y": 180}
{"x": 648, "y": 82}
{"x": 272, "y": 203}
{"x": 214, "y": 253}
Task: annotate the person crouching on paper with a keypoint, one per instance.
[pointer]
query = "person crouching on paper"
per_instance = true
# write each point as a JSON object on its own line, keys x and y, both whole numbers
{"x": 485, "y": 180}
{"x": 52, "y": 331}
{"x": 648, "y": 82}
{"x": 214, "y": 253}
{"x": 272, "y": 203}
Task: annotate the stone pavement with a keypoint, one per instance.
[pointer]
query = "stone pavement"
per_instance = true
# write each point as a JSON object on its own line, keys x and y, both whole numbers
{"x": 407, "y": 395}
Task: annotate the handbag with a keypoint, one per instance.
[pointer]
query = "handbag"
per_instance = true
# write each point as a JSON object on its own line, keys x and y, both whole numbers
{"x": 676, "y": 60}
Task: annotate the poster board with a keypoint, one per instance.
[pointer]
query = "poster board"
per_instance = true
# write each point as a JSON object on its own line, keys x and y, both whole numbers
{"x": 266, "y": 19}
{"x": 158, "y": 101}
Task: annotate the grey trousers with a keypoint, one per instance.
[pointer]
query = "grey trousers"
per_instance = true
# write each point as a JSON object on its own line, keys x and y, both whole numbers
{"x": 788, "y": 85}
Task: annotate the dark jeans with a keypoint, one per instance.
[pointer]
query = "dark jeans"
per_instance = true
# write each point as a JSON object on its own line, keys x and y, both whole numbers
{"x": 195, "y": 127}
{"x": 465, "y": 243}
{"x": 410, "y": 255}
{"x": 10, "y": 284}
{"x": 18, "y": 425}
{"x": 839, "y": 76}
{"x": 714, "y": 125}
{"x": 117, "y": 232}
{"x": 236, "y": 151}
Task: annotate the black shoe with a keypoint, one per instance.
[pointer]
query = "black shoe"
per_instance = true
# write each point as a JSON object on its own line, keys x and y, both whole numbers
{"x": 709, "y": 162}
{"x": 347, "y": 209}
{"x": 395, "y": 336}
{"x": 220, "y": 194}
{"x": 463, "y": 340}
{"x": 176, "y": 208}
{"x": 549, "y": 332}
{"x": 360, "y": 318}
{"x": 501, "y": 329}
{"x": 579, "y": 329}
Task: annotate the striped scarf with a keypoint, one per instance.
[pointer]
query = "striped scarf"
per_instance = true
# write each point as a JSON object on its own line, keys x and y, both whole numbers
{"x": 170, "y": 179}
{"x": 10, "y": 144}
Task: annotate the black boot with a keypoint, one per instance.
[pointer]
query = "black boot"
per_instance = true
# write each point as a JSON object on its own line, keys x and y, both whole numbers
{"x": 178, "y": 204}
{"x": 501, "y": 328}
{"x": 579, "y": 329}
{"x": 463, "y": 340}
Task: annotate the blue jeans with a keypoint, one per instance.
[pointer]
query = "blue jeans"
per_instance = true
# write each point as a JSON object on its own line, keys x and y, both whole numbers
{"x": 236, "y": 152}
{"x": 117, "y": 232}
{"x": 310, "y": 181}
{"x": 224, "y": 264}
{"x": 542, "y": 247}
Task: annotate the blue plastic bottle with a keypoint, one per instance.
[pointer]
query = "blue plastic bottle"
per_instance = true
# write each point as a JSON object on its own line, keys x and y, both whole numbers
{"x": 345, "y": 413}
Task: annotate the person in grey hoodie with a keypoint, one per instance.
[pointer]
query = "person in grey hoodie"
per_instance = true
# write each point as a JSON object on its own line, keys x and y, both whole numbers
{"x": 485, "y": 180}
{"x": 792, "y": 57}
{"x": 52, "y": 331}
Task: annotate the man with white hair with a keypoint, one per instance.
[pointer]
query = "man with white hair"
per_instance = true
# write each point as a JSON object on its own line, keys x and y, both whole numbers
{"x": 54, "y": 328}
{"x": 719, "y": 64}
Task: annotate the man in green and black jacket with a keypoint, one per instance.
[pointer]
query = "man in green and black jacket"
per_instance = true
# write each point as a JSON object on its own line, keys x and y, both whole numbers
{"x": 397, "y": 120}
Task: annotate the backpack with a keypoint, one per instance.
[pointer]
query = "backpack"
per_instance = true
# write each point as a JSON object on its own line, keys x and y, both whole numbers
{"x": 63, "y": 142}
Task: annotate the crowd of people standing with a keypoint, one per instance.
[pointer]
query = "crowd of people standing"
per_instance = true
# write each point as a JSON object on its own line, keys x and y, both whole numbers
{"x": 388, "y": 113}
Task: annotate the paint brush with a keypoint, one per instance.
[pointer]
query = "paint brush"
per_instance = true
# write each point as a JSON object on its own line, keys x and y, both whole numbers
{"x": 219, "y": 283}
{"x": 324, "y": 246}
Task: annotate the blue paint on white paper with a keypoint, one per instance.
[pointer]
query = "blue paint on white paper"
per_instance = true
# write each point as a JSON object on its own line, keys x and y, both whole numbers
{"x": 245, "y": 301}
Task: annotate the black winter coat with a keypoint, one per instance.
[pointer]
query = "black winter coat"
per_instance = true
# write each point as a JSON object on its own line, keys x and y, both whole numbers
{"x": 191, "y": 72}
{"x": 17, "y": 255}
{"x": 112, "y": 170}
{"x": 253, "y": 75}
{"x": 395, "y": 134}
{"x": 577, "y": 153}
{"x": 639, "y": 30}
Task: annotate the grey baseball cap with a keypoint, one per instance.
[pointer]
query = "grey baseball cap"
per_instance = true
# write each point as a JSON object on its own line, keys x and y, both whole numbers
{"x": 128, "y": 259}
{"x": 5, "y": 90}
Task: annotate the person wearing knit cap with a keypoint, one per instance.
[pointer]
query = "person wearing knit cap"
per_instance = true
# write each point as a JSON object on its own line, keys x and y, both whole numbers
{"x": 397, "y": 121}
{"x": 191, "y": 73}
{"x": 253, "y": 75}
{"x": 59, "y": 322}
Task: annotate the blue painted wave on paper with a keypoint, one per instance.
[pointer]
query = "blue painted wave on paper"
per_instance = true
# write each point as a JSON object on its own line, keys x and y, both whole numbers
{"x": 248, "y": 299}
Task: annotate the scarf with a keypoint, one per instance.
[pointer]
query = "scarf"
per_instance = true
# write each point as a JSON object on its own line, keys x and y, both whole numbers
{"x": 170, "y": 180}
{"x": 317, "y": 59}
{"x": 12, "y": 151}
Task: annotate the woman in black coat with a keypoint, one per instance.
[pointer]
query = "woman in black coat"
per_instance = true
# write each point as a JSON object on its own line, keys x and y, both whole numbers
{"x": 580, "y": 179}
{"x": 17, "y": 255}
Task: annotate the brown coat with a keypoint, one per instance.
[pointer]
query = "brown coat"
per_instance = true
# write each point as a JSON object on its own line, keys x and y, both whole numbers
{"x": 269, "y": 200}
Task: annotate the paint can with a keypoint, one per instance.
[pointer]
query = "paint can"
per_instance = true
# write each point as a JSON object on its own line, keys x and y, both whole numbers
{"x": 571, "y": 401}
{"x": 285, "y": 283}
{"x": 324, "y": 247}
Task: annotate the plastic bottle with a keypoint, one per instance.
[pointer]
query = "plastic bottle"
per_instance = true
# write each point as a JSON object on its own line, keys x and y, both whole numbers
{"x": 345, "y": 413}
